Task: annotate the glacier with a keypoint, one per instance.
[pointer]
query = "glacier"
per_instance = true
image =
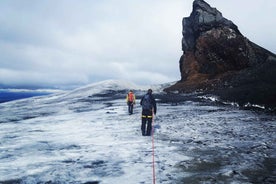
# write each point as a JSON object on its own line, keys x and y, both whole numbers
{"x": 86, "y": 136}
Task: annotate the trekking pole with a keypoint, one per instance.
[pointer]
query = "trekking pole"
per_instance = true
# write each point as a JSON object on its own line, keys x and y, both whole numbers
{"x": 153, "y": 162}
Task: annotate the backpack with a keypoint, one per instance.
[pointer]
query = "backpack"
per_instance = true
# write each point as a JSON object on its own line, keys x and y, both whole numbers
{"x": 130, "y": 97}
{"x": 146, "y": 103}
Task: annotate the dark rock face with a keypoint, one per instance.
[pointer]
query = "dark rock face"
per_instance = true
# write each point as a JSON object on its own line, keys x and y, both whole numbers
{"x": 203, "y": 18}
{"x": 219, "y": 59}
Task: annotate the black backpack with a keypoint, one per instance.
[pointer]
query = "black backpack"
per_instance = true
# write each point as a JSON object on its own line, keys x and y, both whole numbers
{"x": 146, "y": 103}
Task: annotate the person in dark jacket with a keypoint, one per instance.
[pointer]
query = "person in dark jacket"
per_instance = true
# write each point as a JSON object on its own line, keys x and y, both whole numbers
{"x": 148, "y": 104}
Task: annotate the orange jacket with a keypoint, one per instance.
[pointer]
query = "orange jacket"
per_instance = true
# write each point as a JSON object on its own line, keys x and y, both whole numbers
{"x": 130, "y": 97}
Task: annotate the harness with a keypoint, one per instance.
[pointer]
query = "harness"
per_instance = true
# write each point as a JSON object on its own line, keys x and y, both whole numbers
{"x": 144, "y": 116}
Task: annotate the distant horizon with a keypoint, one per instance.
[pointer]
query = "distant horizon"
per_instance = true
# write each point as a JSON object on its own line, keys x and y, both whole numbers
{"x": 64, "y": 87}
{"x": 11, "y": 94}
{"x": 7, "y": 96}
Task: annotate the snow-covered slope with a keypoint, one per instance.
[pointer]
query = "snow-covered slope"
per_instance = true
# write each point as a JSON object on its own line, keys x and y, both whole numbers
{"x": 87, "y": 136}
{"x": 61, "y": 102}
{"x": 101, "y": 87}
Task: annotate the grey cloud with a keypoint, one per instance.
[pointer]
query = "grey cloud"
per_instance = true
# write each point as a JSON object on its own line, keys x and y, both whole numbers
{"x": 78, "y": 42}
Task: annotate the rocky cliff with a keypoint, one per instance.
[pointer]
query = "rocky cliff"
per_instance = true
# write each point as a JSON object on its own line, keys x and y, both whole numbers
{"x": 218, "y": 59}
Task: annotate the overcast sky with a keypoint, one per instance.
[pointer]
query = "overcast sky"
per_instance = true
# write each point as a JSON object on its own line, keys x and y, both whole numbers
{"x": 76, "y": 42}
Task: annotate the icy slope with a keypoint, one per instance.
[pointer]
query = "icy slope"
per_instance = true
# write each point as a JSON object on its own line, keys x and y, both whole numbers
{"x": 86, "y": 136}
{"x": 63, "y": 102}
{"x": 78, "y": 137}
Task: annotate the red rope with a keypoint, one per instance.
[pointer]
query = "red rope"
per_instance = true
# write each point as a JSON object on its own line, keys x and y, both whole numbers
{"x": 153, "y": 165}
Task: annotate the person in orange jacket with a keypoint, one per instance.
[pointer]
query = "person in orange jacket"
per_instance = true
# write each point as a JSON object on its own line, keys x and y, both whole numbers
{"x": 130, "y": 98}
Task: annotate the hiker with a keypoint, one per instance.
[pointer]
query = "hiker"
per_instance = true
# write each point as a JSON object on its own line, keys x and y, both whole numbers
{"x": 148, "y": 104}
{"x": 130, "y": 98}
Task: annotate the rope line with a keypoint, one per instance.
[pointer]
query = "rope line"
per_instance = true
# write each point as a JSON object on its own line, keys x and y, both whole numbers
{"x": 153, "y": 162}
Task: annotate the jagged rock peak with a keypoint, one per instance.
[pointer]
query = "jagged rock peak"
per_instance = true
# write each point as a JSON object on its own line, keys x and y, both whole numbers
{"x": 204, "y": 14}
{"x": 218, "y": 59}
{"x": 202, "y": 19}
{"x": 202, "y": 8}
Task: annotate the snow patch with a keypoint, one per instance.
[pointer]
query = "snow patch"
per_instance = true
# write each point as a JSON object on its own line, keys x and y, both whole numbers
{"x": 254, "y": 105}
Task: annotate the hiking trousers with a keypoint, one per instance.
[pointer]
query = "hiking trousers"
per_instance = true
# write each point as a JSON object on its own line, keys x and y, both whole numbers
{"x": 130, "y": 107}
{"x": 146, "y": 122}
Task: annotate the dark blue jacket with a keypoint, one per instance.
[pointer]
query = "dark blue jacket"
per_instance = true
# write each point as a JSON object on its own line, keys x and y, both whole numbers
{"x": 153, "y": 102}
